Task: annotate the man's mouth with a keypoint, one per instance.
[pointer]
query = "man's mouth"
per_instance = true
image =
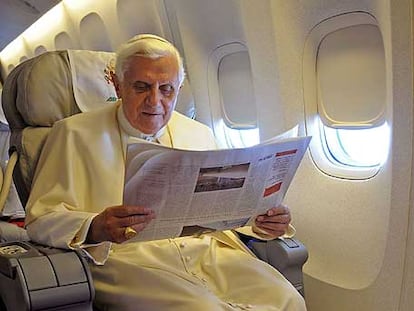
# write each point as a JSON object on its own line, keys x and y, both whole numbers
{"x": 150, "y": 114}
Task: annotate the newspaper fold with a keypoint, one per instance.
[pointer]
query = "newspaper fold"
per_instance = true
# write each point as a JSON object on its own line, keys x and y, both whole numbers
{"x": 215, "y": 189}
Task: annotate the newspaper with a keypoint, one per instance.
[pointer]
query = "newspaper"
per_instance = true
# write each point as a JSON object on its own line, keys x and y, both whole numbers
{"x": 214, "y": 189}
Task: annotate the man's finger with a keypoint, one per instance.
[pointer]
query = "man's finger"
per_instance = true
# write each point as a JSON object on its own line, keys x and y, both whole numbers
{"x": 125, "y": 211}
{"x": 281, "y": 209}
{"x": 135, "y": 219}
{"x": 282, "y": 219}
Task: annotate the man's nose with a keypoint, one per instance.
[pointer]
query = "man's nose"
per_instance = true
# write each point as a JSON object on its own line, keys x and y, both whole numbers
{"x": 154, "y": 96}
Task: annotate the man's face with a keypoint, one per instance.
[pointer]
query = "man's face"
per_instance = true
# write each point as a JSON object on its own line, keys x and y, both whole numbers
{"x": 149, "y": 92}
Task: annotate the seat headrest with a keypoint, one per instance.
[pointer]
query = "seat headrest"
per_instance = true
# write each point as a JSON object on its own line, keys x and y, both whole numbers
{"x": 91, "y": 78}
{"x": 51, "y": 86}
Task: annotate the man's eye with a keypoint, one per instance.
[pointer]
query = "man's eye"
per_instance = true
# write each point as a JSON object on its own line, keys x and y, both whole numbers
{"x": 166, "y": 89}
{"x": 140, "y": 87}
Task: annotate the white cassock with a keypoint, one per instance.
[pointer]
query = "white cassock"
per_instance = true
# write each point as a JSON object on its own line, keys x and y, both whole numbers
{"x": 81, "y": 172}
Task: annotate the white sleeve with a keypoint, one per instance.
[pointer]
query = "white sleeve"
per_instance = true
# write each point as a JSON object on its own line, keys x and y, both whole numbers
{"x": 98, "y": 252}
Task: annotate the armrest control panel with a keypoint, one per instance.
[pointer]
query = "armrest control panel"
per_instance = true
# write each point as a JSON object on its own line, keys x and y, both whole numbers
{"x": 287, "y": 255}
{"x": 33, "y": 277}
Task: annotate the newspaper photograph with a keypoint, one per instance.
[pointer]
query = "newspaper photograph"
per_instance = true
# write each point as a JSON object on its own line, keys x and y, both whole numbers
{"x": 215, "y": 189}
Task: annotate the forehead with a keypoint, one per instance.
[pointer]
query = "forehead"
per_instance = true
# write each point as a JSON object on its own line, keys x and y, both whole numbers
{"x": 164, "y": 68}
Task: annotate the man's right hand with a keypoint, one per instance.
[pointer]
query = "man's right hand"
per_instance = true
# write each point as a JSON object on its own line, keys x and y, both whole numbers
{"x": 110, "y": 224}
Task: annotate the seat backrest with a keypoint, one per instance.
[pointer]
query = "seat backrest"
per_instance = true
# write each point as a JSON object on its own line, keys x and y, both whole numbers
{"x": 10, "y": 205}
{"x": 36, "y": 94}
{"x": 11, "y": 210}
{"x": 51, "y": 87}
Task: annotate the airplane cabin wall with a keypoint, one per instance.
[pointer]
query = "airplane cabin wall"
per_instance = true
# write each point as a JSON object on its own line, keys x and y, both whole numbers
{"x": 203, "y": 26}
{"x": 87, "y": 24}
{"x": 356, "y": 231}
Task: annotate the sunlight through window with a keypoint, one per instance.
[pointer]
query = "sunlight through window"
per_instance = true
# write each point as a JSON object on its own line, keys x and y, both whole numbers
{"x": 358, "y": 147}
{"x": 240, "y": 138}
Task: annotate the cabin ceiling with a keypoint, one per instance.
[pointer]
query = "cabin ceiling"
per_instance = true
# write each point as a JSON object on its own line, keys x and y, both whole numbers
{"x": 17, "y": 15}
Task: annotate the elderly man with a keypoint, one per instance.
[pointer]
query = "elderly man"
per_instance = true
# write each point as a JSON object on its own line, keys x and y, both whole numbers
{"x": 76, "y": 202}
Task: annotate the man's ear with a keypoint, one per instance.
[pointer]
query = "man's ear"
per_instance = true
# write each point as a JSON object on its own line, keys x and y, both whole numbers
{"x": 117, "y": 84}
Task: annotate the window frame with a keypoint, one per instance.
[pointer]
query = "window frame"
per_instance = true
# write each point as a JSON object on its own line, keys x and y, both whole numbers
{"x": 319, "y": 150}
{"x": 216, "y": 105}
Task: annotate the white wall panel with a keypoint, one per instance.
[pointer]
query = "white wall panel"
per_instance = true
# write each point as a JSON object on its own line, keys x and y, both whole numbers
{"x": 264, "y": 54}
{"x": 201, "y": 27}
{"x": 138, "y": 17}
{"x": 355, "y": 231}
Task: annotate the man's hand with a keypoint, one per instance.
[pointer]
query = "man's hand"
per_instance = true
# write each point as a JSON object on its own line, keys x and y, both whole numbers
{"x": 275, "y": 222}
{"x": 110, "y": 224}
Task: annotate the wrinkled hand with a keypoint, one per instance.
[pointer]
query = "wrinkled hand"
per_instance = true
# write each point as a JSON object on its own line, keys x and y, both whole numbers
{"x": 110, "y": 224}
{"x": 275, "y": 222}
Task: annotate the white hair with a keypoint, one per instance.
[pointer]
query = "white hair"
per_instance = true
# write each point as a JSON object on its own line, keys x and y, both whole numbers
{"x": 146, "y": 45}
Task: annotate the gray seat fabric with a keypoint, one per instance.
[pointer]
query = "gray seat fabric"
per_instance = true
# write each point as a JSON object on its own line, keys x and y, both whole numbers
{"x": 36, "y": 94}
{"x": 10, "y": 206}
{"x": 10, "y": 232}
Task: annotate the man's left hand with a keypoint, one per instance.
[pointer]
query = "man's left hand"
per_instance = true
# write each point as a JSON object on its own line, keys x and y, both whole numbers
{"x": 275, "y": 222}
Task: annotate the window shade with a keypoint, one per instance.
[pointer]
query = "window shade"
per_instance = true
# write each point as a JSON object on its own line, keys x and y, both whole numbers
{"x": 236, "y": 91}
{"x": 351, "y": 77}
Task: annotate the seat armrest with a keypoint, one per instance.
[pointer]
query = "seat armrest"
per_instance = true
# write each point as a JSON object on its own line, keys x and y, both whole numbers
{"x": 10, "y": 232}
{"x": 33, "y": 277}
{"x": 287, "y": 255}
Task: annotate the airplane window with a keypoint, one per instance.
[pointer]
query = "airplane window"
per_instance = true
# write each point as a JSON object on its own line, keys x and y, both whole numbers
{"x": 22, "y": 59}
{"x": 237, "y": 138}
{"x": 236, "y": 90}
{"x": 63, "y": 41}
{"x": 232, "y": 97}
{"x": 241, "y": 138}
{"x": 10, "y": 68}
{"x": 357, "y": 147}
{"x": 40, "y": 50}
{"x": 93, "y": 33}
{"x": 345, "y": 91}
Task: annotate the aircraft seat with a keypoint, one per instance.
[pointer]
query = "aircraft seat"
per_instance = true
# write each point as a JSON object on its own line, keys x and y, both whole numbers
{"x": 36, "y": 94}
{"x": 11, "y": 210}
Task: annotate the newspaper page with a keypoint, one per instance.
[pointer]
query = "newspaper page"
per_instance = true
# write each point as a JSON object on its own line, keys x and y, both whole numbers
{"x": 215, "y": 189}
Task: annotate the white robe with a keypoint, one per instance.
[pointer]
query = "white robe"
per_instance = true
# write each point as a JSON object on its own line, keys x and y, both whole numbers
{"x": 81, "y": 171}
